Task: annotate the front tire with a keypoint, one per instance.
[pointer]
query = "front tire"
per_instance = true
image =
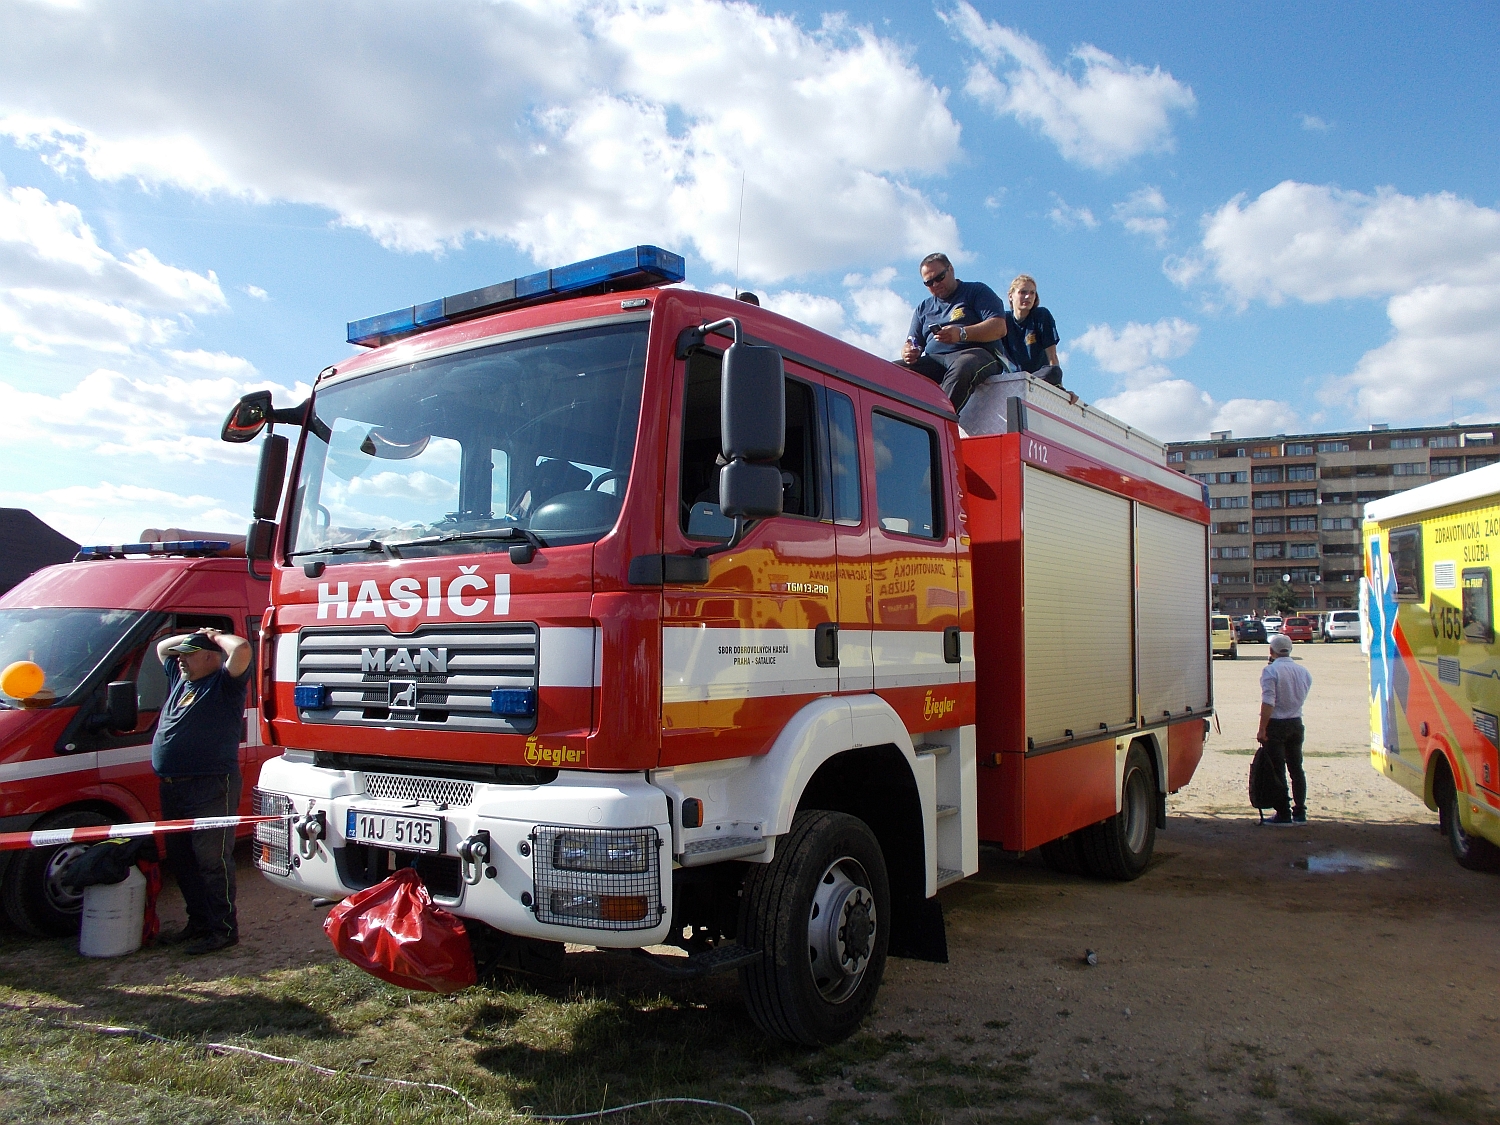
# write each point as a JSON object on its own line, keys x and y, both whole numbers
{"x": 1120, "y": 847}
{"x": 820, "y": 912}
{"x": 1472, "y": 852}
{"x": 36, "y": 902}
{"x": 1234, "y": 652}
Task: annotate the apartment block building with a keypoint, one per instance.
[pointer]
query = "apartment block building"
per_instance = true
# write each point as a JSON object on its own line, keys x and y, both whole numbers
{"x": 1290, "y": 506}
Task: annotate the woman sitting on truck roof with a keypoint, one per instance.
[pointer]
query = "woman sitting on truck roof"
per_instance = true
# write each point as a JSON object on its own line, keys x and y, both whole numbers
{"x": 1031, "y": 338}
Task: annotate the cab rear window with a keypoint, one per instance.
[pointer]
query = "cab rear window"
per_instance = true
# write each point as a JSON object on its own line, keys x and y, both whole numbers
{"x": 1406, "y": 563}
{"x": 1218, "y": 623}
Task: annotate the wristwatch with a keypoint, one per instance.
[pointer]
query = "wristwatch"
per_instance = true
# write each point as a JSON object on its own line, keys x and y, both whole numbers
{"x": 963, "y": 334}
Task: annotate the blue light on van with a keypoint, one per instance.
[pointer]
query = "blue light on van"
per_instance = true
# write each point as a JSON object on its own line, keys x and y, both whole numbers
{"x": 513, "y": 703}
{"x": 636, "y": 268}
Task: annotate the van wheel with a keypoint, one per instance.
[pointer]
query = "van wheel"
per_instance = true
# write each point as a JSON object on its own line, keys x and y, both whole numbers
{"x": 1234, "y": 652}
{"x": 1120, "y": 847}
{"x": 820, "y": 911}
{"x": 1473, "y": 852}
{"x": 36, "y": 902}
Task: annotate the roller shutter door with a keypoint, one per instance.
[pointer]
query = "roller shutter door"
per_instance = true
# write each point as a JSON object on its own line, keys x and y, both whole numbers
{"x": 1079, "y": 654}
{"x": 1174, "y": 614}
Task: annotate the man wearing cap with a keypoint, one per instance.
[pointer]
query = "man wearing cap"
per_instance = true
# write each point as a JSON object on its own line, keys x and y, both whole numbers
{"x": 1283, "y": 689}
{"x": 196, "y": 756}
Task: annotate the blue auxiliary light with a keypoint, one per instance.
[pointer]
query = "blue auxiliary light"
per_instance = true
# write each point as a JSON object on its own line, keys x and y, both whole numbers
{"x": 188, "y": 547}
{"x": 513, "y": 703}
{"x": 310, "y": 697}
{"x": 636, "y": 268}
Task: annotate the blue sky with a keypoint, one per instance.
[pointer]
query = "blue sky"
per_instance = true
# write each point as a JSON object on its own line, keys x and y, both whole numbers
{"x": 1267, "y": 219}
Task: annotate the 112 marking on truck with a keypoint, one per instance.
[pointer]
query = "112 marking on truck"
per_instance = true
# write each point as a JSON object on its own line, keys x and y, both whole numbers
{"x": 631, "y": 615}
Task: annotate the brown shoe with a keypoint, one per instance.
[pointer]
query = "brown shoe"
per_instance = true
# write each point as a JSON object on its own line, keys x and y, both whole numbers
{"x": 177, "y": 937}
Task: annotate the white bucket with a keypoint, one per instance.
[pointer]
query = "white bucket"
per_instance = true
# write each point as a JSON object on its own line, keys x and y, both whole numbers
{"x": 113, "y": 914}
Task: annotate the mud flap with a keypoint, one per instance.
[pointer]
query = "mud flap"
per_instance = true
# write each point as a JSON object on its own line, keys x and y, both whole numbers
{"x": 918, "y": 932}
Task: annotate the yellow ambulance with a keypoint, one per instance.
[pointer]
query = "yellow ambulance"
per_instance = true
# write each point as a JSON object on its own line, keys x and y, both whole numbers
{"x": 1430, "y": 560}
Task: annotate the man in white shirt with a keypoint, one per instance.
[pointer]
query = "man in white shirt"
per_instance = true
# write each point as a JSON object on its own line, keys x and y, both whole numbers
{"x": 1283, "y": 689}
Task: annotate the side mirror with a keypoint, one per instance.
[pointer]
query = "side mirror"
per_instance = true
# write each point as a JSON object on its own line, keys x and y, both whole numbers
{"x": 269, "y": 476}
{"x": 752, "y": 419}
{"x": 259, "y": 539}
{"x": 248, "y": 418}
{"x": 120, "y": 712}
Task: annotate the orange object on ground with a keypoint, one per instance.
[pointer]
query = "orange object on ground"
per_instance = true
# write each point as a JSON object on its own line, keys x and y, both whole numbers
{"x": 393, "y": 931}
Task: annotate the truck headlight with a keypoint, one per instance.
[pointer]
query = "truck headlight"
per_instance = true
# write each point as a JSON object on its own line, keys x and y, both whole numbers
{"x": 273, "y": 839}
{"x": 597, "y": 878}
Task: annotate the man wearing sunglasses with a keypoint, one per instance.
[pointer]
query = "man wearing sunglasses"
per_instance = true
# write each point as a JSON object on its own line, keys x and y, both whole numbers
{"x": 953, "y": 332}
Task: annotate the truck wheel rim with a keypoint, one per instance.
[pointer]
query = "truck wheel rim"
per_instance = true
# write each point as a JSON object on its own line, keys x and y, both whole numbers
{"x": 58, "y": 896}
{"x": 841, "y": 927}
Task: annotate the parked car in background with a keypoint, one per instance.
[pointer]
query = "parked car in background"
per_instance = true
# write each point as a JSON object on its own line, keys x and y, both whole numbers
{"x": 1272, "y": 624}
{"x": 1298, "y": 630}
{"x": 1342, "y": 625}
{"x": 1252, "y": 630}
{"x": 1223, "y": 638}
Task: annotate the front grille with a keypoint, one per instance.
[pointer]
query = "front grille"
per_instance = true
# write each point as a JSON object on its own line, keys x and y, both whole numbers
{"x": 434, "y": 790}
{"x": 440, "y": 676}
{"x": 273, "y": 839}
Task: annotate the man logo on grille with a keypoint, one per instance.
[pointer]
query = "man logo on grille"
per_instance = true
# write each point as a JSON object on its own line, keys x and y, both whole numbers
{"x": 403, "y": 695}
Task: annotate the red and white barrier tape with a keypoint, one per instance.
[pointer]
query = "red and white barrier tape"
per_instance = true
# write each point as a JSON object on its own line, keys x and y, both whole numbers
{"x": 17, "y": 841}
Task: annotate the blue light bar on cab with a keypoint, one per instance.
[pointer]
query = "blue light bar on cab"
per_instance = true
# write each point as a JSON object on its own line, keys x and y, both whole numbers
{"x": 636, "y": 268}
{"x": 190, "y": 547}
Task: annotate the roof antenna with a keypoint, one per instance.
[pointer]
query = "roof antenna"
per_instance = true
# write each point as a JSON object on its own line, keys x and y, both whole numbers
{"x": 738, "y": 230}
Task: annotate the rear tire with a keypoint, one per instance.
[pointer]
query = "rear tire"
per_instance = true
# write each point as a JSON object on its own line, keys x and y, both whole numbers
{"x": 1120, "y": 847}
{"x": 821, "y": 912}
{"x": 35, "y": 900}
{"x": 1234, "y": 652}
{"x": 1473, "y": 852}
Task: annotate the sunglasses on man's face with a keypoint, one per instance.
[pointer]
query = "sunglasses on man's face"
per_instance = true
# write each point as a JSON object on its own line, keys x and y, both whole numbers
{"x": 937, "y": 279}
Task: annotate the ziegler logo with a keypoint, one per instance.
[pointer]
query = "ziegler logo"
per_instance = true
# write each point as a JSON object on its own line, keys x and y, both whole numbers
{"x": 937, "y": 708}
{"x": 537, "y": 755}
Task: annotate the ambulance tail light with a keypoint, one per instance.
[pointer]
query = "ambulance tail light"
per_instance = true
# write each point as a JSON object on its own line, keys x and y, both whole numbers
{"x": 635, "y": 268}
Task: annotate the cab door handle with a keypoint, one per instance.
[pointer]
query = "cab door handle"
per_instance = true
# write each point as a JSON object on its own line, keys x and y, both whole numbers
{"x": 952, "y": 653}
{"x": 826, "y": 645}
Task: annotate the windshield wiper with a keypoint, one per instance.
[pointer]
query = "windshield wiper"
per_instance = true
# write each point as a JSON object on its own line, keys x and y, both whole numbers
{"x": 350, "y": 548}
{"x": 531, "y": 537}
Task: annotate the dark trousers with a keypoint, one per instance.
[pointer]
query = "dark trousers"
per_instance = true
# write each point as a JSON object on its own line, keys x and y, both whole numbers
{"x": 957, "y": 372}
{"x": 1284, "y": 743}
{"x": 204, "y": 861}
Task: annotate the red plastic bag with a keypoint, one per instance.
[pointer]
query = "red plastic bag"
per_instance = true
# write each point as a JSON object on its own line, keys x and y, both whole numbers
{"x": 393, "y": 931}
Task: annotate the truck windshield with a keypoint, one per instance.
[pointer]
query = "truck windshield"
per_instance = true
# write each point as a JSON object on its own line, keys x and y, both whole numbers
{"x": 67, "y": 644}
{"x": 527, "y": 439}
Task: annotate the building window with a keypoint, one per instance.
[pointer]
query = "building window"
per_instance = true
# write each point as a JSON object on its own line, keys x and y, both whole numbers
{"x": 1229, "y": 552}
{"x": 1333, "y": 447}
{"x": 1303, "y": 551}
{"x": 1409, "y": 469}
{"x": 1445, "y": 466}
{"x": 1202, "y": 454}
{"x": 1478, "y": 462}
{"x": 1268, "y": 500}
{"x": 1298, "y": 448}
{"x": 1443, "y": 441}
{"x": 1267, "y": 576}
{"x": 1341, "y": 548}
{"x": 1305, "y": 498}
{"x": 1340, "y": 603}
{"x": 1340, "y": 523}
{"x": 1264, "y": 451}
{"x": 1229, "y": 501}
{"x": 1229, "y": 528}
{"x": 1239, "y": 579}
{"x": 1270, "y": 550}
{"x": 1366, "y": 497}
{"x": 1302, "y": 523}
{"x": 1271, "y": 475}
{"x": 1301, "y": 472}
{"x": 1240, "y": 477}
{"x": 1479, "y": 439}
{"x": 1232, "y": 604}
{"x": 1174, "y": 456}
{"x": 1268, "y": 525}
{"x": 1406, "y": 443}
{"x": 1298, "y": 574}
{"x": 1203, "y": 478}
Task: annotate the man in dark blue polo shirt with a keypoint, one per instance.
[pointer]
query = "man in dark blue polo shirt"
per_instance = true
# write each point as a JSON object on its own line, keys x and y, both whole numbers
{"x": 954, "y": 332}
{"x": 196, "y": 756}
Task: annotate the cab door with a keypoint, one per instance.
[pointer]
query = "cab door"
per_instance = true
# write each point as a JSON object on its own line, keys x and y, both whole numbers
{"x": 742, "y": 653}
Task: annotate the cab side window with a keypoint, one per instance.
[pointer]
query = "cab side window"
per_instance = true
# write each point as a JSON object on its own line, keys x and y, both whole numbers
{"x": 698, "y": 492}
{"x": 1479, "y": 620}
{"x": 1406, "y": 563}
{"x": 843, "y": 439}
{"x": 906, "y": 476}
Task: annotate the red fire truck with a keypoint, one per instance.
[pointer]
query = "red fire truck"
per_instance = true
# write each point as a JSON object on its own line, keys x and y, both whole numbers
{"x": 79, "y": 752}
{"x": 630, "y": 615}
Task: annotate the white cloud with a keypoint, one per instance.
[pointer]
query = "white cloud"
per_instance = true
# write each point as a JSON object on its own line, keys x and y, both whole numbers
{"x": 116, "y": 513}
{"x": 256, "y": 291}
{"x": 1315, "y": 124}
{"x": 1070, "y": 218}
{"x": 565, "y": 128}
{"x": 1101, "y": 115}
{"x": 1144, "y": 212}
{"x": 872, "y": 315}
{"x": 1159, "y": 403}
{"x": 1434, "y": 259}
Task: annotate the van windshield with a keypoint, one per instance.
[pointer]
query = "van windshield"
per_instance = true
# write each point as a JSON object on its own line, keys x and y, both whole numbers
{"x": 67, "y": 644}
{"x": 527, "y": 439}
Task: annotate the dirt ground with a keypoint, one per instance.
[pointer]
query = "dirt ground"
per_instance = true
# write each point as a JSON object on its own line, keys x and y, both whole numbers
{"x": 1237, "y": 980}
